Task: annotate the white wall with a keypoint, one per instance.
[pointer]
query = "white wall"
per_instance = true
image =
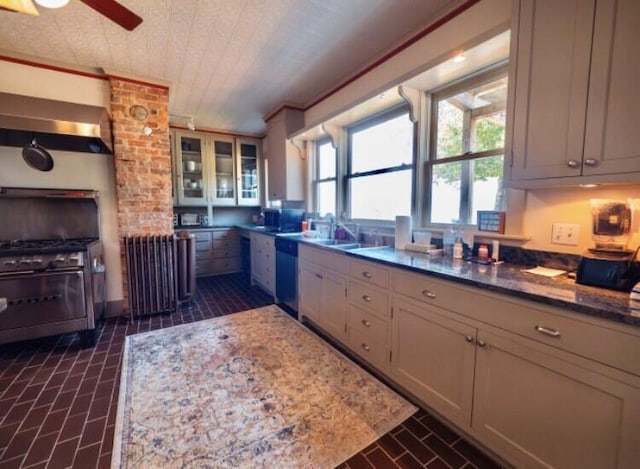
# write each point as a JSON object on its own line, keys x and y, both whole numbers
{"x": 71, "y": 170}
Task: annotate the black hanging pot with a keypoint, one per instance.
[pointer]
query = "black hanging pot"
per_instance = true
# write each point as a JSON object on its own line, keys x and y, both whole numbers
{"x": 37, "y": 157}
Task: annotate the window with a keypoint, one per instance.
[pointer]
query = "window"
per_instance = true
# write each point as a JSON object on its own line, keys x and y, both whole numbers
{"x": 325, "y": 183}
{"x": 380, "y": 166}
{"x": 467, "y": 148}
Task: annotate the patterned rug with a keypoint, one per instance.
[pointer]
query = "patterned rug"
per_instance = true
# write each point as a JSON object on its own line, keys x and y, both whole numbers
{"x": 252, "y": 389}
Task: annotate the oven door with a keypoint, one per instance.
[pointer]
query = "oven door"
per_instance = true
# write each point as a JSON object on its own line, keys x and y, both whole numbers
{"x": 41, "y": 298}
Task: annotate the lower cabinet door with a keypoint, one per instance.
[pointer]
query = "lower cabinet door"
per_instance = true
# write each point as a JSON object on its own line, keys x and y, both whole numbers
{"x": 433, "y": 357}
{"x": 309, "y": 286}
{"x": 333, "y": 305}
{"x": 538, "y": 410}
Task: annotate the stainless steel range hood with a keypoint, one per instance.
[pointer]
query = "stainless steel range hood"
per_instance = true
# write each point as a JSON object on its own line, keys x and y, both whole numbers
{"x": 56, "y": 125}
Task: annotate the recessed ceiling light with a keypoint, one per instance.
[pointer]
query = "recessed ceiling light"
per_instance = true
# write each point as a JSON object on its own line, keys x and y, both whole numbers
{"x": 589, "y": 186}
{"x": 52, "y": 3}
{"x": 459, "y": 57}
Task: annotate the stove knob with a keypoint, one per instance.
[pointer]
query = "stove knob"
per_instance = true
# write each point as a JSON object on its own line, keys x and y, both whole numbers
{"x": 36, "y": 261}
{"x": 10, "y": 263}
{"x": 25, "y": 261}
{"x": 60, "y": 260}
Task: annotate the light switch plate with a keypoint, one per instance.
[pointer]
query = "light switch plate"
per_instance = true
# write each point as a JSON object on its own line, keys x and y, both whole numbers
{"x": 565, "y": 233}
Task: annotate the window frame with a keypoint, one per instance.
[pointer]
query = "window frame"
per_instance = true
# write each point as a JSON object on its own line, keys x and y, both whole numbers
{"x": 371, "y": 121}
{"x": 316, "y": 181}
{"x": 475, "y": 80}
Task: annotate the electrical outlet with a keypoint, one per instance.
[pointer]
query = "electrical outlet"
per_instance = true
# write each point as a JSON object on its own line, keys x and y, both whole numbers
{"x": 565, "y": 233}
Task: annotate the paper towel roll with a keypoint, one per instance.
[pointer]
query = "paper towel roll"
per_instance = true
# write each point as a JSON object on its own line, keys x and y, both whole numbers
{"x": 403, "y": 231}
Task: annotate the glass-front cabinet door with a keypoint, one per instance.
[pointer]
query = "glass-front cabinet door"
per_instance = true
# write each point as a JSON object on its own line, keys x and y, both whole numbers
{"x": 224, "y": 192}
{"x": 191, "y": 171}
{"x": 247, "y": 170}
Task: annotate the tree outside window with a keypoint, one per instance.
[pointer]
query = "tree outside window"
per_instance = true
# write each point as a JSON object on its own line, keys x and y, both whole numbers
{"x": 467, "y": 150}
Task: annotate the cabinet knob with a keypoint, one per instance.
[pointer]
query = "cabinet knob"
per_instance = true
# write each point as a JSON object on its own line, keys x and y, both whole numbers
{"x": 366, "y": 323}
{"x": 365, "y": 347}
{"x": 573, "y": 164}
{"x": 428, "y": 294}
{"x": 319, "y": 276}
{"x": 482, "y": 343}
{"x": 366, "y": 274}
{"x": 468, "y": 338}
{"x": 591, "y": 162}
{"x": 366, "y": 298}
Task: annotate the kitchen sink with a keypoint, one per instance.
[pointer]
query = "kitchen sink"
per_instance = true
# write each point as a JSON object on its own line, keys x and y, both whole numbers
{"x": 338, "y": 244}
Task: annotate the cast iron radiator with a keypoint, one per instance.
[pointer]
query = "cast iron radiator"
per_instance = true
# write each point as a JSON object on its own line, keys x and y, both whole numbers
{"x": 151, "y": 274}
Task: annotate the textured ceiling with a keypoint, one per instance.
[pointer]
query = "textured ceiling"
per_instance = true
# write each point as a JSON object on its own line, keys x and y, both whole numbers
{"x": 228, "y": 62}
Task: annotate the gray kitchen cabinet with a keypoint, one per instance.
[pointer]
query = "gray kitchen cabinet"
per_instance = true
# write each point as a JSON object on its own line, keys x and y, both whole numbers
{"x": 223, "y": 181}
{"x": 248, "y": 171}
{"x": 322, "y": 289}
{"x": 191, "y": 167}
{"x": 217, "y": 251}
{"x": 263, "y": 262}
{"x": 542, "y": 408}
{"x": 433, "y": 357}
{"x": 520, "y": 378}
{"x": 285, "y": 163}
{"x": 309, "y": 287}
{"x": 369, "y": 313}
{"x": 215, "y": 170}
{"x": 574, "y": 69}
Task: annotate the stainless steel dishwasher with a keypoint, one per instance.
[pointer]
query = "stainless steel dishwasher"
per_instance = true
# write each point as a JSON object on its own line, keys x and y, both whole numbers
{"x": 287, "y": 275}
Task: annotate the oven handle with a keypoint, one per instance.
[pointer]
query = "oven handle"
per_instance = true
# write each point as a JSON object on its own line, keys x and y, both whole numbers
{"x": 3, "y": 304}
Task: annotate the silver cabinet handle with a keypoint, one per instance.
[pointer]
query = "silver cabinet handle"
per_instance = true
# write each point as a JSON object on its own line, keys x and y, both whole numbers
{"x": 428, "y": 294}
{"x": 319, "y": 276}
{"x": 365, "y": 347}
{"x": 482, "y": 343}
{"x": 366, "y": 323}
{"x": 469, "y": 339}
{"x": 547, "y": 331}
{"x": 590, "y": 162}
{"x": 573, "y": 164}
{"x": 366, "y": 274}
{"x": 366, "y": 298}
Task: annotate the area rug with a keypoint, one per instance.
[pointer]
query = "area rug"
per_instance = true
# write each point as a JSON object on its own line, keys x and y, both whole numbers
{"x": 251, "y": 389}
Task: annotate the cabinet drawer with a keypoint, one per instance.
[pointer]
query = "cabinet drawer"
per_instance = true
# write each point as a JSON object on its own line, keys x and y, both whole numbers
{"x": 601, "y": 343}
{"x": 434, "y": 292}
{"x": 231, "y": 264}
{"x": 204, "y": 268}
{"x": 370, "y": 273}
{"x": 203, "y": 246}
{"x": 369, "y": 297}
{"x": 225, "y": 244}
{"x": 202, "y": 235}
{"x": 225, "y": 234}
{"x": 225, "y": 252}
{"x": 367, "y": 326}
{"x": 373, "y": 352}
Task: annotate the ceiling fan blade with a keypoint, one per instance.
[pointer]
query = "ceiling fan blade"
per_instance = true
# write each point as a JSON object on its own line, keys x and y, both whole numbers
{"x": 20, "y": 6}
{"x": 115, "y": 12}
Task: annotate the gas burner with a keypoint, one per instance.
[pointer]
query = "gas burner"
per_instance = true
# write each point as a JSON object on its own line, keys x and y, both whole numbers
{"x": 37, "y": 246}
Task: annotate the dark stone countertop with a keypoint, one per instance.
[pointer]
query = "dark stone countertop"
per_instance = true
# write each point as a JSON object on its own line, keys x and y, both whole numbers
{"x": 511, "y": 280}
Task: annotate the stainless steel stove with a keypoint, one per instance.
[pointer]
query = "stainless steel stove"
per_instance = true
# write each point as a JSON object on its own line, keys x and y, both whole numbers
{"x": 55, "y": 285}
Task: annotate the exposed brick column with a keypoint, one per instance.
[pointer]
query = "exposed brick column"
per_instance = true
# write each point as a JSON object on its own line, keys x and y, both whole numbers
{"x": 142, "y": 162}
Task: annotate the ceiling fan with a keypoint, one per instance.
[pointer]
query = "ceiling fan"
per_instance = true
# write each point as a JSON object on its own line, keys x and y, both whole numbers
{"x": 109, "y": 8}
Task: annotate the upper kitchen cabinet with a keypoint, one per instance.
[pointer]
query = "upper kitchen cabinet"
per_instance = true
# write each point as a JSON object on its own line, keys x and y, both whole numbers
{"x": 224, "y": 192}
{"x": 248, "y": 171}
{"x": 215, "y": 170}
{"x": 190, "y": 168}
{"x": 575, "y": 102}
{"x": 286, "y": 165}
